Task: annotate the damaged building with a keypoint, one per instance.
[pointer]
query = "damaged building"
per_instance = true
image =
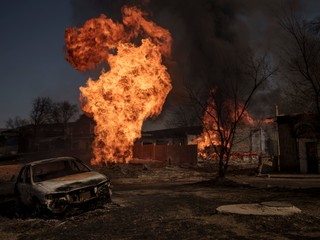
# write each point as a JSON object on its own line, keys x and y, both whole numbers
{"x": 9, "y": 140}
{"x": 173, "y": 146}
{"x": 292, "y": 140}
{"x": 299, "y": 142}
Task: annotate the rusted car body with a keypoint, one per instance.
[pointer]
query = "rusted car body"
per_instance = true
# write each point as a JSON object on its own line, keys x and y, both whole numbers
{"x": 56, "y": 184}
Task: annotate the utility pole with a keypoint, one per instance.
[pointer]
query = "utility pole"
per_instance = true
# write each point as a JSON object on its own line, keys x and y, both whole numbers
{"x": 278, "y": 141}
{"x": 260, "y": 154}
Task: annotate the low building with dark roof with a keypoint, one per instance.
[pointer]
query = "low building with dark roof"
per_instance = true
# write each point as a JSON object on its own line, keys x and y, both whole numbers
{"x": 299, "y": 142}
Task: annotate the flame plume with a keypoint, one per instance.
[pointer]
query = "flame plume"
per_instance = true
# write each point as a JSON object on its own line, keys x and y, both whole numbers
{"x": 134, "y": 89}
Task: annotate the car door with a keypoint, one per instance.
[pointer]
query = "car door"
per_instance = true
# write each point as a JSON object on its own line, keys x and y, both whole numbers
{"x": 24, "y": 186}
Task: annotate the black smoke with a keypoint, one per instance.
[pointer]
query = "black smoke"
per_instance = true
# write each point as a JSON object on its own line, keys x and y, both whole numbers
{"x": 208, "y": 35}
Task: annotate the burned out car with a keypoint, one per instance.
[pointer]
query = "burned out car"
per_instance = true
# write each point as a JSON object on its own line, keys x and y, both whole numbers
{"x": 56, "y": 184}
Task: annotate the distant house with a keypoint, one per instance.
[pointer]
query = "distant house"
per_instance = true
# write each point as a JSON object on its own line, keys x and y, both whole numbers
{"x": 9, "y": 142}
{"x": 54, "y": 139}
{"x": 181, "y": 135}
{"x": 299, "y": 141}
{"x": 249, "y": 141}
{"x": 174, "y": 146}
{"x": 81, "y": 133}
{"x": 43, "y": 137}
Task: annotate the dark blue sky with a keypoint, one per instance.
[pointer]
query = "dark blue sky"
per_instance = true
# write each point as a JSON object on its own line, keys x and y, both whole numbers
{"x": 32, "y": 62}
{"x": 32, "y": 59}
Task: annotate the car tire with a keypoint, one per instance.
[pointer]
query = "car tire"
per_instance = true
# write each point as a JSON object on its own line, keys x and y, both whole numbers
{"x": 21, "y": 209}
{"x": 37, "y": 209}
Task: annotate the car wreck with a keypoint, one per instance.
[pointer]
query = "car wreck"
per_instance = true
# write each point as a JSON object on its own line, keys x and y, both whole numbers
{"x": 57, "y": 184}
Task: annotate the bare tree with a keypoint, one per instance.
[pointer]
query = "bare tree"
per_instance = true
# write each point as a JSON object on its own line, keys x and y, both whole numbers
{"x": 41, "y": 110}
{"x": 302, "y": 58}
{"x": 314, "y": 25}
{"x": 227, "y": 105}
{"x": 16, "y": 122}
{"x": 182, "y": 116}
{"x": 63, "y": 112}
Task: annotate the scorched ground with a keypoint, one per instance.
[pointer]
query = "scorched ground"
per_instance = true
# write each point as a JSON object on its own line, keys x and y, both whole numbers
{"x": 176, "y": 203}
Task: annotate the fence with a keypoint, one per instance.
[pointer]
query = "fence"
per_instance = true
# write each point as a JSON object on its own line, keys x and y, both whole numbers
{"x": 172, "y": 154}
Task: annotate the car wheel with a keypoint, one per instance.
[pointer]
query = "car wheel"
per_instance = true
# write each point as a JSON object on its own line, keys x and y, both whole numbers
{"x": 37, "y": 208}
{"x": 106, "y": 197}
{"x": 21, "y": 209}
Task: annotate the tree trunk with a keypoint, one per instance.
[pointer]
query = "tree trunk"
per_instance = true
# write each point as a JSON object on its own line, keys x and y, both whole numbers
{"x": 221, "y": 167}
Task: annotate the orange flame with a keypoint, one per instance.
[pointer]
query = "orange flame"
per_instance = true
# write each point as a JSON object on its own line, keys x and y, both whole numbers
{"x": 214, "y": 125}
{"x": 134, "y": 89}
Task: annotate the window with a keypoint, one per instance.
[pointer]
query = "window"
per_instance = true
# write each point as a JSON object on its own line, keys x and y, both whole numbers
{"x": 27, "y": 175}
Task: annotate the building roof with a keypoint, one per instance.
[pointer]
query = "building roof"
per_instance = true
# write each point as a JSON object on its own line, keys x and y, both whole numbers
{"x": 176, "y": 132}
{"x": 303, "y": 125}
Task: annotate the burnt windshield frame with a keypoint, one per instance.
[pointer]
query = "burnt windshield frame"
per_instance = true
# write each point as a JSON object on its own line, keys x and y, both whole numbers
{"x": 56, "y": 169}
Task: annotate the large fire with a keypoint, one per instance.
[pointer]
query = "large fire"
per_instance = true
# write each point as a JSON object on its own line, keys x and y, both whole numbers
{"x": 135, "y": 87}
{"x": 217, "y": 126}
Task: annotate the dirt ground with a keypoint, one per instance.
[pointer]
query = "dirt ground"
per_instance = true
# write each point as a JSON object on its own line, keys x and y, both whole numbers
{"x": 152, "y": 202}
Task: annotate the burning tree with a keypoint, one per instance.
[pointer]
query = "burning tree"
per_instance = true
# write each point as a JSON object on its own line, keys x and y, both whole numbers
{"x": 227, "y": 106}
{"x": 134, "y": 88}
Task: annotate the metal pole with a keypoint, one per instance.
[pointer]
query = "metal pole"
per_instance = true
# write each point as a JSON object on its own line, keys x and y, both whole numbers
{"x": 260, "y": 154}
{"x": 278, "y": 141}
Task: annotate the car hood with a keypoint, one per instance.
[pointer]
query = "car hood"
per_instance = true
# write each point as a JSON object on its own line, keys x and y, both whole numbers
{"x": 72, "y": 182}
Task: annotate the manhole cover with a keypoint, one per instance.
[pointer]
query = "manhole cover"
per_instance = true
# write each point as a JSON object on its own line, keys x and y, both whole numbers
{"x": 276, "y": 204}
{"x": 265, "y": 208}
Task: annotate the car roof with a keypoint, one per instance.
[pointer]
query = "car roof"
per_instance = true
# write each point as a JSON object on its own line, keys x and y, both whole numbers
{"x": 57, "y": 159}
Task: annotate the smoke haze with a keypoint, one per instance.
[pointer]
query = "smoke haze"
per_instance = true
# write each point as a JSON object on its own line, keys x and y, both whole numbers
{"x": 207, "y": 36}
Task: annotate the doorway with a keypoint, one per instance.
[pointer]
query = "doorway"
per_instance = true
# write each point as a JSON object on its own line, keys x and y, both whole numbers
{"x": 312, "y": 157}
